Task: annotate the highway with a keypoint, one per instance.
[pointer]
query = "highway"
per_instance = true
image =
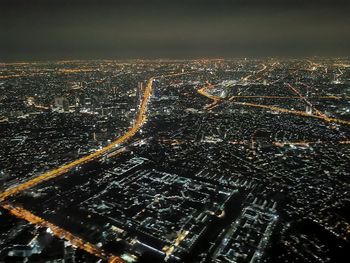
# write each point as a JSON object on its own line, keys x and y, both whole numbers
{"x": 214, "y": 98}
{"x": 60, "y": 71}
{"x": 65, "y": 168}
{"x": 57, "y": 231}
{"x": 306, "y": 100}
{"x": 295, "y": 112}
{"x": 246, "y": 142}
{"x": 278, "y": 109}
{"x": 139, "y": 121}
{"x": 264, "y": 67}
{"x": 60, "y": 233}
{"x": 329, "y": 97}
{"x": 321, "y": 116}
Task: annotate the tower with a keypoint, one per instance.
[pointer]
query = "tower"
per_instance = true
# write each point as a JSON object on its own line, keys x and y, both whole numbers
{"x": 308, "y": 109}
{"x": 61, "y": 104}
{"x": 140, "y": 86}
{"x": 77, "y": 102}
{"x": 155, "y": 89}
{"x": 139, "y": 92}
{"x": 114, "y": 91}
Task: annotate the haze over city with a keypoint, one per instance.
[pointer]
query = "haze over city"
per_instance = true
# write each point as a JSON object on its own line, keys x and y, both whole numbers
{"x": 174, "y": 131}
{"x": 57, "y": 29}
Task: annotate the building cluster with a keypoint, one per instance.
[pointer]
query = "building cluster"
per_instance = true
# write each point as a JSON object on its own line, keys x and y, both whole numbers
{"x": 237, "y": 160}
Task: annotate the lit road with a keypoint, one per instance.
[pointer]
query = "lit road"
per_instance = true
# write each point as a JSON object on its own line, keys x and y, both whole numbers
{"x": 306, "y": 100}
{"x": 59, "y": 232}
{"x": 61, "y": 71}
{"x": 330, "y": 97}
{"x": 264, "y": 67}
{"x": 216, "y": 100}
{"x": 65, "y": 168}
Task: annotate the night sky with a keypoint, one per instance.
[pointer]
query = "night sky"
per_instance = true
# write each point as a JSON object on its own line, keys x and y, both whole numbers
{"x": 33, "y": 30}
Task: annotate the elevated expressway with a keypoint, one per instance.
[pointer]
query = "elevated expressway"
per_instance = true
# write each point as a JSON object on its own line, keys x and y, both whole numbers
{"x": 22, "y": 213}
{"x": 216, "y": 99}
{"x": 55, "y": 230}
{"x": 65, "y": 168}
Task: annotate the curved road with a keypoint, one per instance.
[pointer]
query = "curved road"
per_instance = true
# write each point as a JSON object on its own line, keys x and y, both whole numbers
{"x": 65, "y": 168}
{"x": 57, "y": 231}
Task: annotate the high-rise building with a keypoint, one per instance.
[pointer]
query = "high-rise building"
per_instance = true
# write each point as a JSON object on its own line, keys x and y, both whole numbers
{"x": 308, "y": 110}
{"x": 61, "y": 103}
{"x": 155, "y": 88}
{"x": 139, "y": 92}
